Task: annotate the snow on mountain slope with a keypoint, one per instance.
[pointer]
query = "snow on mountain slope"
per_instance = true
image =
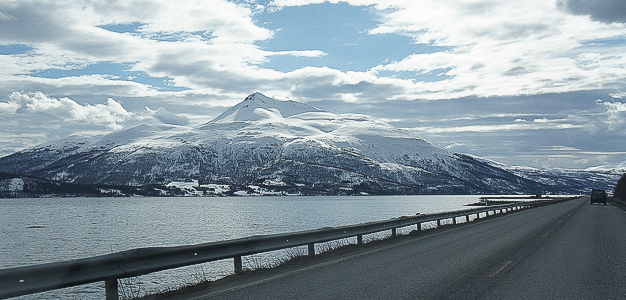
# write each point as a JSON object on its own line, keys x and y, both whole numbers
{"x": 617, "y": 167}
{"x": 576, "y": 180}
{"x": 247, "y": 110}
{"x": 263, "y": 141}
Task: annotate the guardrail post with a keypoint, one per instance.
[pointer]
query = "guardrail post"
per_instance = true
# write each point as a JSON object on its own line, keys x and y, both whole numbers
{"x": 454, "y": 220}
{"x": 311, "y": 249}
{"x": 394, "y": 232}
{"x": 111, "y": 289}
{"x": 238, "y": 264}
{"x": 359, "y": 239}
{"x": 438, "y": 223}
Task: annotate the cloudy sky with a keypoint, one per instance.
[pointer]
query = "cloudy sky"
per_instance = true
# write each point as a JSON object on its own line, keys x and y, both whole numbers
{"x": 527, "y": 82}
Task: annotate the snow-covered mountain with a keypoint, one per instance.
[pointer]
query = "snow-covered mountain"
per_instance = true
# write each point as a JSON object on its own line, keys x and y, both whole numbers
{"x": 614, "y": 168}
{"x": 570, "y": 180}
{"x": 263, "y": 144}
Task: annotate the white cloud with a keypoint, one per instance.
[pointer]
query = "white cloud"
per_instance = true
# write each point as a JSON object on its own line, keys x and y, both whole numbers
{"x": 305, "y": 53}
{"x": 167, "y": 117}
{"x": 6, "y": 17}
{"x": 615, "y": 116}
{"x": 618, "y": 95}
{"x": 183, "y": 40}
{"x": 111, "y": 114}
{"x": 497, "y": 48}
{"x": 455, "y": 145}
{"x": 518, "y": 125}
{"x": 224, "y": 21}
{"x": 8, "y": 107}
{"x": 504, "y": 48}
{"x": 491, "y": 48}
{"x": 559, "y": 148}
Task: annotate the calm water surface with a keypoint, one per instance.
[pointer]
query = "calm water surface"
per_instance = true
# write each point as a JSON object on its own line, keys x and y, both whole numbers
{"x": 36, "y": 231}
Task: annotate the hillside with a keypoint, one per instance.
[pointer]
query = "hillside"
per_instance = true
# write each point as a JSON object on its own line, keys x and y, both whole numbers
{"x": 267, "y": 146}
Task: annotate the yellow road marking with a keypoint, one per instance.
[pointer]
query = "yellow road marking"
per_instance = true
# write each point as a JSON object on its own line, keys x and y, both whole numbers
{"x": 560, "y": 221}
{"x": 508, "y": 262}
{"x": 545, "y": 234}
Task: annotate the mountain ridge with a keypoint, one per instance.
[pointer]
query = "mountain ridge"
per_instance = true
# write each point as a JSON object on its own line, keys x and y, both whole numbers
{"x": 245, "y": 110}
{"x": 263, "y": 144}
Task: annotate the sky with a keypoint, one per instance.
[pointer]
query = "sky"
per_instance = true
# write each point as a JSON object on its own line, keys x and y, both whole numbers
{"x": 539, "y": 83}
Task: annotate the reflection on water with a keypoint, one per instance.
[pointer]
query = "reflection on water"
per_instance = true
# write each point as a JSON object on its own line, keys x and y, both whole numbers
{"x": 45, "y": 230}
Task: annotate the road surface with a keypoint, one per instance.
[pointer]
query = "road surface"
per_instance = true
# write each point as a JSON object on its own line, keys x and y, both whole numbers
{"x": 570, "y": 250}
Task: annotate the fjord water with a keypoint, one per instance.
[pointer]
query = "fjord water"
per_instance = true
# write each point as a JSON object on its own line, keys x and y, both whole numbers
{"x": 36, "y": 231}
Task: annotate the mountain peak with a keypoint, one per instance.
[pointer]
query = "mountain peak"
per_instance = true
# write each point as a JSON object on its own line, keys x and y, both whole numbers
{"x": 256, "y": 106}
{"x": 256, "y": 96}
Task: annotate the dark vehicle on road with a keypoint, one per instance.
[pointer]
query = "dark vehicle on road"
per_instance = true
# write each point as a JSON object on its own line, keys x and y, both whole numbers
{"x": 597, "y": 196}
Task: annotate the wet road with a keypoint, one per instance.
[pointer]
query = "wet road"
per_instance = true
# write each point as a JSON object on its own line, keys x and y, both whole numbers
{"x": 570, "y": 250}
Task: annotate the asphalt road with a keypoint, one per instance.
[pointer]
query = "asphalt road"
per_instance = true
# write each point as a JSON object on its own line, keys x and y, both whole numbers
{"x": 570, "y": 250}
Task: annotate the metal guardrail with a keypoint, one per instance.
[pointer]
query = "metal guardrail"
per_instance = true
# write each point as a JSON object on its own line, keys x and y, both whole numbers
{"x": 111, "y": 267}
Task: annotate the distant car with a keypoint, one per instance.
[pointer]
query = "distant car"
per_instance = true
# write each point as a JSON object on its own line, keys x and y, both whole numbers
{"x": 597, "y": 196}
